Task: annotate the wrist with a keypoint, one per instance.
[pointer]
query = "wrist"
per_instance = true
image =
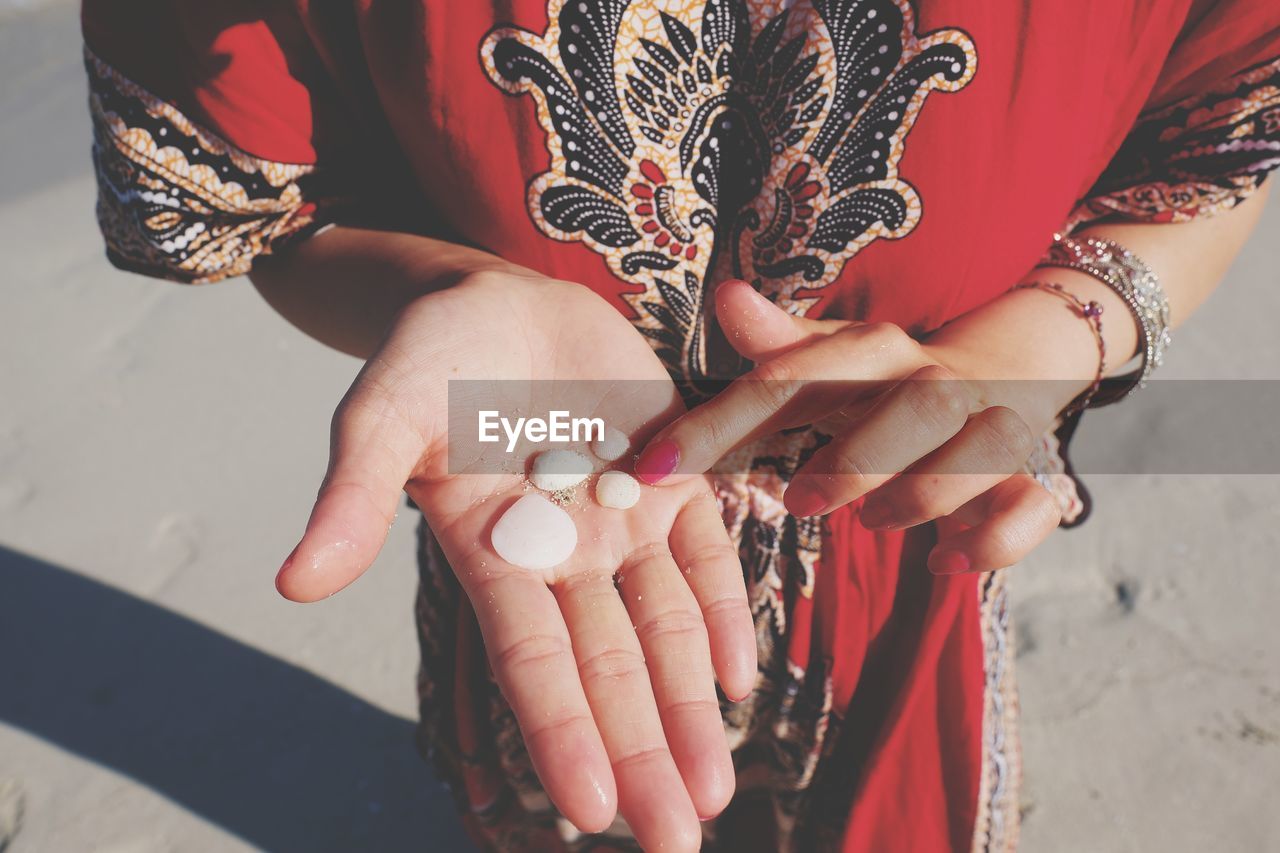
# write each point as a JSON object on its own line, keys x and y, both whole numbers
{"x": 1037, "y": 398}
{"x": 506, "y": 282}
{"x": 1034, "y": 351}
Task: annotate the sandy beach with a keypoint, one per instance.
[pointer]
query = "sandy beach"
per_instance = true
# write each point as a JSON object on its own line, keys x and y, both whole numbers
{"x": 157, "y": 695}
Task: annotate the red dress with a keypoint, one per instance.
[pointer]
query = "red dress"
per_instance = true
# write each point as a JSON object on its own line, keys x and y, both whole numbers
{"x": 866, "y": 159}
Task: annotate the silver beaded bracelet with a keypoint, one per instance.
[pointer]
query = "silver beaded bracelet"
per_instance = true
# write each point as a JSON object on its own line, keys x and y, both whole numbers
{"x": 1139, "y": 287}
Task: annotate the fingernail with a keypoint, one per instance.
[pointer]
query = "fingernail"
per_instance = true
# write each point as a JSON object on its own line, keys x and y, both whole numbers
{"x": 948, "y": 563}
{"x": 288, "y": 561}
{"x": 736, "y": 697}
{"x": 658, "y": 461}
{"x": 875, "y": 515}
{"x": 804, "y": 503}
{"x": 728, "y": 282}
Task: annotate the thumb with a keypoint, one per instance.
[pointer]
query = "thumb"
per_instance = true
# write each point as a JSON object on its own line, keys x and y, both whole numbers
{"x": 758, "y": 329}
{"x": 373, "y": 452}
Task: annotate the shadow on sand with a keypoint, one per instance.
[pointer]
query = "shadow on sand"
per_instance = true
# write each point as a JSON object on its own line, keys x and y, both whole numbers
{"x": 278, "y": 756}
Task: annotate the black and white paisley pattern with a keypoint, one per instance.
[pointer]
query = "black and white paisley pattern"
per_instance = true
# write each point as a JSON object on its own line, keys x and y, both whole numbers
{"x": 696, "y": 140}
{"x": 1197, "y": 157}
{"x": 176, "y": 201}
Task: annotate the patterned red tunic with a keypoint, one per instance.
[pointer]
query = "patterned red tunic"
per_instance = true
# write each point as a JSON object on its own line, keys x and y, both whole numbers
{"x": 867, "y": 159}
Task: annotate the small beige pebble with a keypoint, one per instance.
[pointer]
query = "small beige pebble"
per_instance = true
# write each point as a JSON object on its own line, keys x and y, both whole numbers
{"x": 558, "y": 470}
{"x": 534, "y": 534}
{"x": 617, "y": 490}
{"x": 613, "y": 446}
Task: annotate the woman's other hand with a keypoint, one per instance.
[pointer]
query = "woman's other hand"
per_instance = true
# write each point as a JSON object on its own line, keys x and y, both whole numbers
{"x": 914, "y": 430}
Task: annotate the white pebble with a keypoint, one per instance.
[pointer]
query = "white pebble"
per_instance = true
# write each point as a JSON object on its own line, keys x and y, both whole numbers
{"x": 613, "y": 446}
{"x": 617, "y": 490}
{"x": 557, "y": 470}
{"x": 534, "y": 534}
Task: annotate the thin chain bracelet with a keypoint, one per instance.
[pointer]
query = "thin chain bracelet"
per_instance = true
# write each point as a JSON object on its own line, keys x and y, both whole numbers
{"x": 1135, "y": 283}
{"x": 1091, "y": 313}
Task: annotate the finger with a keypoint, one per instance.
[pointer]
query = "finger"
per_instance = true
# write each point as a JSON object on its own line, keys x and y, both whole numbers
{"x": 372, "y": 453}
{"x": 611, "y": 668}
{"x": 674, "y": 638}
{"x": 531, "y": 655}
{"x": 915, "y": 418}
{"x": 704, "y": 552}
{"x": 758, "y": 329}
{"x": 1007, "y": 522}
{"x": 991, "y": 447}
{"x": 800, "y": 387}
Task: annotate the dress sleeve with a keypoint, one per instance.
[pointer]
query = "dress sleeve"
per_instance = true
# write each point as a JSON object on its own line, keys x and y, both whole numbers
{"x": 1210, "y": 132}
{"x": 1205, "y": 141}
{"x": 206, "y": 142}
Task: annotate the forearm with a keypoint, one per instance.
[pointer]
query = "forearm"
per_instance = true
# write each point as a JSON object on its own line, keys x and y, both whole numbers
{"x": 345, "y": 286}
{"x": 1029, "y": 335}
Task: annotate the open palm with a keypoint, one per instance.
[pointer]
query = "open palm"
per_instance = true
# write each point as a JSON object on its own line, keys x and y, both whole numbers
{"x": 609, "y": 659}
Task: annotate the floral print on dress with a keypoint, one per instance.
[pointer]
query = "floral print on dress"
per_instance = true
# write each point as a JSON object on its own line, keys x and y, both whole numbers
{"x": 1197, "y": 157}
{"x": 177, "y": 201}
{"x": 692, "y": 141}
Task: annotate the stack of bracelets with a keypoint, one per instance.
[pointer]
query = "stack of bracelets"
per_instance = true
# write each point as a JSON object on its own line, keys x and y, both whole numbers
{"x": 1135, "y": 283}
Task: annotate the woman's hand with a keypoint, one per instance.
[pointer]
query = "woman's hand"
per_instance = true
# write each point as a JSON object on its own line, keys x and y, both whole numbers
{"x": 913, "y": 427}
{"x": 609, "y": 661}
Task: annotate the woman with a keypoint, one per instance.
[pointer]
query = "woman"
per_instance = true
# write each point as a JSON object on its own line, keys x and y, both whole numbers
{"x": 855, "y": 196}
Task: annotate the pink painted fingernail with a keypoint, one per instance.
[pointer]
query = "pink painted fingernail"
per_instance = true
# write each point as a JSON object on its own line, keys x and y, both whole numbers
{"x": 948, "y": 563}
{"x": 658, "y": 461}
{"x": 804, "y": 503}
